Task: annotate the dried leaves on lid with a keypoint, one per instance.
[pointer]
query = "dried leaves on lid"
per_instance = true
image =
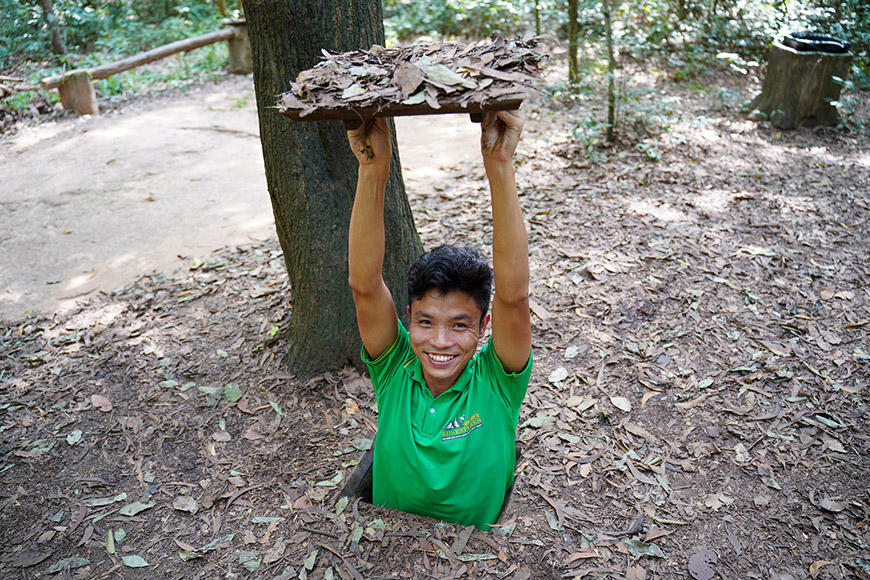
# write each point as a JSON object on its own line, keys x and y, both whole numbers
{"x": 435, "y": 73}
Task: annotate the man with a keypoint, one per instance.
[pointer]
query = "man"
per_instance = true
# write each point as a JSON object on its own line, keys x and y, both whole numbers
{"x": 447, "y": 416}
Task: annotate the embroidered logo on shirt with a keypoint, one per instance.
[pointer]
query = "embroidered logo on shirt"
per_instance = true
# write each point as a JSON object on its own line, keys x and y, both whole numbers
{"x": 460, "y": 427}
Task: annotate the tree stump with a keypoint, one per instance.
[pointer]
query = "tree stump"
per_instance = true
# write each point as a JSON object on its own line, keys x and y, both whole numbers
{"x": 799, "y": 88}
{"x": 77, "y": 93}
{"x": 241, "y": 61}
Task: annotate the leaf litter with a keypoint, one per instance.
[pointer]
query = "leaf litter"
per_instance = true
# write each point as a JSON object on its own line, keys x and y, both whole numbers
{"x": 710, "y": 315}
{"x": 438, "y": 74}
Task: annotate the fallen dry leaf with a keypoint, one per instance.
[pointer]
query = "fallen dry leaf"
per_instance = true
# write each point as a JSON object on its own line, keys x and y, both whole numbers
{"x": 101, "y": 403}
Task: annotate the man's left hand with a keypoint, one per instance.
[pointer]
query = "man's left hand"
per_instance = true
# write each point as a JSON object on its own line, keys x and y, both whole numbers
{"x": 499, "y": 135}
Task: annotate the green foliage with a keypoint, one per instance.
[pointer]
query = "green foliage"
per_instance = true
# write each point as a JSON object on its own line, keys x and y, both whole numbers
{"x": 110, "y": 27}
{"x": 694, "y": 30}
{"x": 467, "y": 18}
{"x": 102, "y": 31}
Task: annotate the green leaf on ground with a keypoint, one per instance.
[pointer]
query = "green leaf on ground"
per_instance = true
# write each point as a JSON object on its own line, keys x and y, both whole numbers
{"x": 66, "y": 563}
{"x": 134, "y": 561}
{"x": 309, "y": 561}
{"x": 340, "y": 505}
{"x": 101, "y": 501}
{"x": 638, "y": 548}
{"x": 250, "y": 560}
{"x": 336, "y": 479}
{"x": 232, "y": 393}
{"x": 213, "y": 545}
{"x": 131, "y": 509}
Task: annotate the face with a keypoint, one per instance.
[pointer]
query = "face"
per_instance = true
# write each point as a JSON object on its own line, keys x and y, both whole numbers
{"x": 444, "y": 332}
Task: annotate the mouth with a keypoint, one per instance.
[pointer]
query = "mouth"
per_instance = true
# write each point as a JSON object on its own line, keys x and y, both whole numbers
{"x": 441, "y": 359}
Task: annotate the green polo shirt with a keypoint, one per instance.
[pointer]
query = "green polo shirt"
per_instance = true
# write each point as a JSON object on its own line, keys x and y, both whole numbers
{"x": 452, "y": 457}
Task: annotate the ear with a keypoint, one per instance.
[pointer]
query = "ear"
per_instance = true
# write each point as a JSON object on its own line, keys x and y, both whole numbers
{"x": 484, "y": 322}
{"x": 409, "y": 311}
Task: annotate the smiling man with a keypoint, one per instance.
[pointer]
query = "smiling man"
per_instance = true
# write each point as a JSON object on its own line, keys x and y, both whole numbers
{"x": 447, "y": 414}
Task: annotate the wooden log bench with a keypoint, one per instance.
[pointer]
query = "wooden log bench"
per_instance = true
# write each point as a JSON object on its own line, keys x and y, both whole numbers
{"x": 76, "y": 87}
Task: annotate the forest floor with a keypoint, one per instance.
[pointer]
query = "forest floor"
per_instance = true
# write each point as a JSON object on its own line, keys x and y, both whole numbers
{"x": 697, "y": 409}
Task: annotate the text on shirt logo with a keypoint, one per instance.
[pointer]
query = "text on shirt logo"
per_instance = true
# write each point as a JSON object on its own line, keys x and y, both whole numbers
{"x": 460, "y": 427}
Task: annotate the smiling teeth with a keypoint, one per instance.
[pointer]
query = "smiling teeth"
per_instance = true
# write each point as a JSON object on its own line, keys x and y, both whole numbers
{"x": 441, "y": 357}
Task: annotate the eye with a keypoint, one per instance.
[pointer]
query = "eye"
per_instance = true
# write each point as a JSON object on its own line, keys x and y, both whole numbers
{"x": 460, "y": 325}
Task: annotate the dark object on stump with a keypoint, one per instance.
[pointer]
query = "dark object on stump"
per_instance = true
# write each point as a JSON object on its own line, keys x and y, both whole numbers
{"x": 810, "y": 42}
{"x": 800, "y": 87}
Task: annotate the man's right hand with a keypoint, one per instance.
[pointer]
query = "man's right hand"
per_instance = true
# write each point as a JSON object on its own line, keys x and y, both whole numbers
{"x": 371, "y": 144}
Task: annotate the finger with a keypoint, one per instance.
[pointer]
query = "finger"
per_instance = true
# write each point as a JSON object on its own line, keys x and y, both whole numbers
{"x": 510, "y": 118}
{"x": 488, "y": 119}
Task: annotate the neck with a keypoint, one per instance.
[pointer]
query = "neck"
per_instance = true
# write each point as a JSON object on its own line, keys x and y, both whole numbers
{"x": 436, "y": 389}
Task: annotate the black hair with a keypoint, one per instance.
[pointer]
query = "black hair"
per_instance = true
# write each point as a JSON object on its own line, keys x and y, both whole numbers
{"x": 448, "y": 268}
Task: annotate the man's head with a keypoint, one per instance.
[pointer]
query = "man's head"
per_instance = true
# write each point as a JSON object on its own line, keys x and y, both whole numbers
{"x": 448, "y": 294}
{"x": 448, "y": 269}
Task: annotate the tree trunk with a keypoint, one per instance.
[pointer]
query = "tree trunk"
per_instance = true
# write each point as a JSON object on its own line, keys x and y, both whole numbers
{"x": 611, "y": 74}
{"x": 311, "y": 176}
{"x": 573, "y": 73}
{"x": 799, "y": 88}
{"x": 57, "y": 44}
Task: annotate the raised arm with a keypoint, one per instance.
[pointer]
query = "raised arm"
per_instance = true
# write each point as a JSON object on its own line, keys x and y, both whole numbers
{"x": 511, "y": 323}
{"x": 375, "y": 311}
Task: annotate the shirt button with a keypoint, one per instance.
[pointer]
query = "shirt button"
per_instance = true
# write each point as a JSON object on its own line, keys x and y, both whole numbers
{"x": 431, "y": 410}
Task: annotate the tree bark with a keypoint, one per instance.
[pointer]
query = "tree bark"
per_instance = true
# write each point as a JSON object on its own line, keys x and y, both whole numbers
{"x": 311, "y": 175}
{"x": 611, "y": 74}
{"x": 573, "y": 72}
{"x": 57, "y": 44}
{"x": 799, "y": 88}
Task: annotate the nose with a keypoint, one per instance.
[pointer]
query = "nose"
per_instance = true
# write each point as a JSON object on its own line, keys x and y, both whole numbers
{"x": 441, "y": 337}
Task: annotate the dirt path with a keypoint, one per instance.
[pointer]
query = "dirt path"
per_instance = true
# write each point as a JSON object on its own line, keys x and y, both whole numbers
{"x": 90, "y": 204}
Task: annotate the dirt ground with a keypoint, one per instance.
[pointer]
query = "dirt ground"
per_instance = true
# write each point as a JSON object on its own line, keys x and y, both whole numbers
{"x": 89, "y": 204}
{"x": 698, "y": 406}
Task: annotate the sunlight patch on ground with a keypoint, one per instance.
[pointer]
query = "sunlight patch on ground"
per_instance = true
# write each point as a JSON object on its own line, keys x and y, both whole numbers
{"x": 30, "y": 136}
{"x": 820, "y": 155}
{"x": 79, "y": 281}
{"x": 87, "y": 318}
{"x": 713, "y": 200}
{"x": 123, "y": 260}
{"x": 791, "y": 204}
{"x": 709, "y": 135}
{"x": 12, "y": 296}
{"x": 663, "y": 211}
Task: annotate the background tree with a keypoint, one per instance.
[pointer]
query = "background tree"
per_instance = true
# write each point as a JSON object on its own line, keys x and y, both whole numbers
{"x": 57, "y": 43}
{"x": 611, "y": 72}
{"x": 311, "y": 176}
{"x": 573, "y": 66}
